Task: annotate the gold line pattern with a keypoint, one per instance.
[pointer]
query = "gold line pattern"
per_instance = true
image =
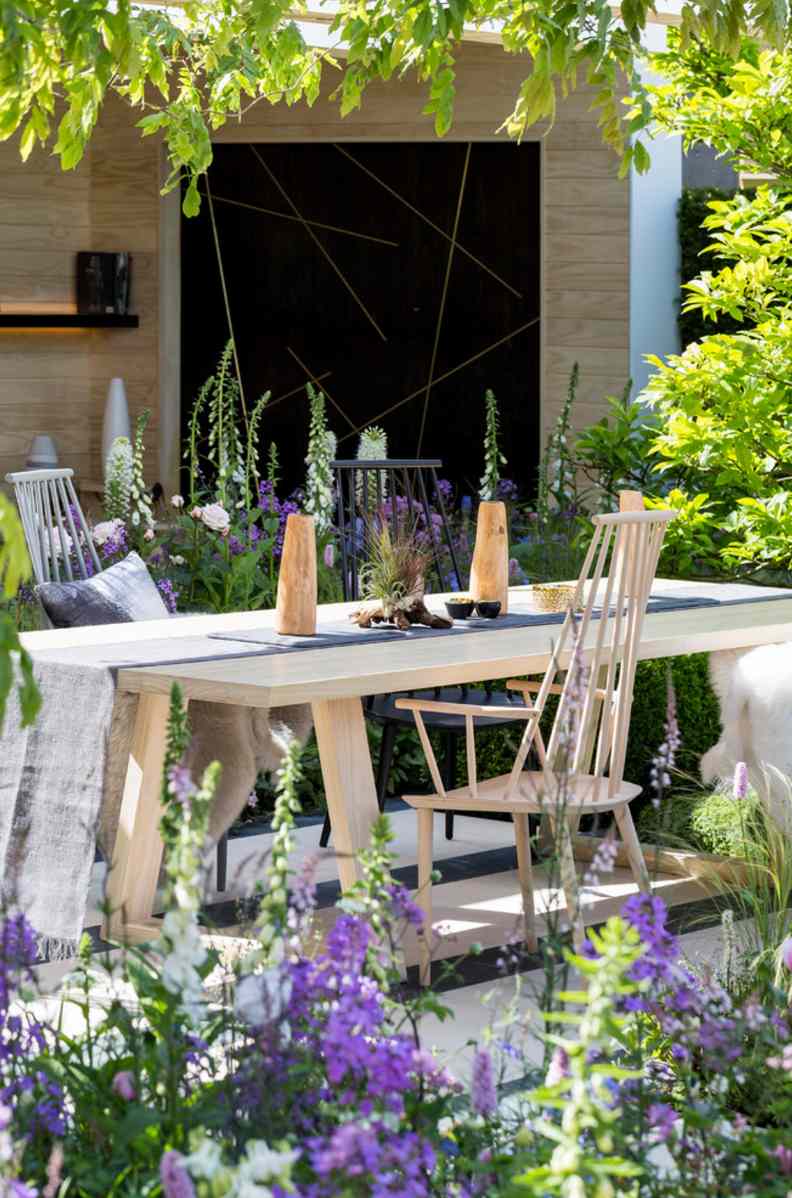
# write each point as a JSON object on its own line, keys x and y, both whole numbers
{"x": 441, "y": 377}
{"x": 315, "y": 380}
{"x": 225, "y": 300}
{"x": 396, "y": 195}
{"x": 443, "y": 297}
{"x": 316, "y": 224}
{"x": 295, "y": 390}
{"x": 319, "y": 246}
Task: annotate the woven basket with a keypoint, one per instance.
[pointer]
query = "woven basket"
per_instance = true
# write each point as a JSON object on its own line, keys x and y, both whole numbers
{"x": 553, "y": 596}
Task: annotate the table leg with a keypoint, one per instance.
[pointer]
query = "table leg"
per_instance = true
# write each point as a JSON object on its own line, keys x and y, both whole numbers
{"x": 137, "y": 856}
{"x": 348, "y": 779}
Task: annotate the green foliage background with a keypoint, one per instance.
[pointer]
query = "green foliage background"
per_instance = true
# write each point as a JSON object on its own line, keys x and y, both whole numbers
{"x": 692, "y": 208}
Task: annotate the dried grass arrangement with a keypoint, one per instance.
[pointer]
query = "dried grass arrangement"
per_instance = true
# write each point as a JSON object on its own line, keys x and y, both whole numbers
{"x": 393, "y": 578}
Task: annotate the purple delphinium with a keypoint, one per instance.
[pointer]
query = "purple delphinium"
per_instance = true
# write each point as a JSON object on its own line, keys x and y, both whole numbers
{"x": 272, "y": 506}
{"x": 784, "y": 1157}
{"x": 180, "y": 784}
{"x": 176, "y": 1182}
{"x": 169, "y": 594}
{"x": 394, "y": 1164}
{"x": 661, "y": 1118}
{"x": 22, "y": 1037}
{"x": 402, "y": 906}
{"x": 115, "y": 546}
{"x": 507, "y": 490}
{"x": 483, "y": 1097}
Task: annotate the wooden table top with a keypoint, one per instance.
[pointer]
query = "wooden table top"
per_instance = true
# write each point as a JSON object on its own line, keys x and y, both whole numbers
{"x": 365, "y": 669}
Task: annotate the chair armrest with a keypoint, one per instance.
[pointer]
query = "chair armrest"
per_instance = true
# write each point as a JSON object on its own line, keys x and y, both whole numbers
{"x": 474, "y": 709}
{"x": 532, "y": 688}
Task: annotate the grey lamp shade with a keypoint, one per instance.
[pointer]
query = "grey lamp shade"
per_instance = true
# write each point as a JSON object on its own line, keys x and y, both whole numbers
{"x": 42, "y": 455}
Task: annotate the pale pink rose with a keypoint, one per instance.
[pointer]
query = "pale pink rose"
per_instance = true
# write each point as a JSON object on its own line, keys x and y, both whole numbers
{"x": 196, "y": 513}
{"x": 215, "y": 517}
{"x": 124, "y": 1086}
{"x": 148, "y": 535}
{"x": 177, "y": 501}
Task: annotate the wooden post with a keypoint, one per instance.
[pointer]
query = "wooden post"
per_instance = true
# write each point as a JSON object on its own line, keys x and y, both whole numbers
{"x": 295, "y": 612}
{"x": 489, "y": 570}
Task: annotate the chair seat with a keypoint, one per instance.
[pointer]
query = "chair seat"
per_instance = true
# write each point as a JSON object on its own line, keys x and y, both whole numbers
{"x": 383, "y": 710}
{"x": 587, "y": 794}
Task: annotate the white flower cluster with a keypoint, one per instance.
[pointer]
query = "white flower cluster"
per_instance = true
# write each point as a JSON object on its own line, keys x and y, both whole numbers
{"x": 372, "y": 447}
{"x": 214, "y": 516}
{"x": 260, "y": 1168}
{"x": 119, "y": 474}
{"x": 141, "y": 513}
{"x": 106, "y": 530}
{"x": 319, "y": 480}
{"x": 184, "y": 954}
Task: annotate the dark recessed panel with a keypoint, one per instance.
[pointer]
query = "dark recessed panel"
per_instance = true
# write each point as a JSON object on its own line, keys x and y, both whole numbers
{"x": 366, "y": 296}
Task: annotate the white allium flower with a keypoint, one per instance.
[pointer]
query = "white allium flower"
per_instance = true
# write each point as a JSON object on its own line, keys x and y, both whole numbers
{"x": 215, "y": 516}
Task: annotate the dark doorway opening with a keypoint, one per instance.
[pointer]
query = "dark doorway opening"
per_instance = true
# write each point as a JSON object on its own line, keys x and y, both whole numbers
{"x": 405, "y": 277}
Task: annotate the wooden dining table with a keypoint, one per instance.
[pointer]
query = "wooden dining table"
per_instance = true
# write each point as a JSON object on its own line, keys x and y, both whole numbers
{"x": 335, "y": 680}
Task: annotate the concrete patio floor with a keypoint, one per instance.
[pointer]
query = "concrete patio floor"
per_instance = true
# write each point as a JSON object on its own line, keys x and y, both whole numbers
{"x": 480, "y": 906}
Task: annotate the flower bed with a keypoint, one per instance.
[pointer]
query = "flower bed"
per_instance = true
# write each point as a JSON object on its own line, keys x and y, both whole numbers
{"x": 298, "y": 1067}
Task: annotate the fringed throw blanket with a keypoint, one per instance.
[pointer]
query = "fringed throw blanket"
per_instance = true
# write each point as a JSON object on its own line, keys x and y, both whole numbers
{"x": 51, "y": 786}
{"x": 61, "y": 780}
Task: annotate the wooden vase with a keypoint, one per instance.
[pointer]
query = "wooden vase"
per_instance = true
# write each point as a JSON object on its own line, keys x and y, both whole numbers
{"x": 489, "y": 570}
{"x": 295, "y": 611}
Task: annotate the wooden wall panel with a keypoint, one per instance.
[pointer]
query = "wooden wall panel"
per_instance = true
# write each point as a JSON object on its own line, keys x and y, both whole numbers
{"x": 56, "y": 382}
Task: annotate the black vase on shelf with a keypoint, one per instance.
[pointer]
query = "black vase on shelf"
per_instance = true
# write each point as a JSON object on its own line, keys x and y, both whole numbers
{"x": 103, "y": 282}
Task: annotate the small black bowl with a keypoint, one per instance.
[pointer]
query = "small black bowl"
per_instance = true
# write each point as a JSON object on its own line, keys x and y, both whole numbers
{"x": 460, "y": 611}
{"x": 488, "y": 608}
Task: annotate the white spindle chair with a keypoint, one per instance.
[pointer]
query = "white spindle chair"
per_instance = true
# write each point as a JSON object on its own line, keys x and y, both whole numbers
{"x": 53, "y": 522}
{"x": 596, "y": 650}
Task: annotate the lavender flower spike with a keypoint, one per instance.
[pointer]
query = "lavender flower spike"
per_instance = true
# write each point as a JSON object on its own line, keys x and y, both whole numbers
{"x": 175, "y": 1179}
{"x": 740, "y": 780}
{"x": 482, "y": 1090}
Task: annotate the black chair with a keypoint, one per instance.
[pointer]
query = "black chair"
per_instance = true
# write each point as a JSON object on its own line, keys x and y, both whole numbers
{"x": 405, "y": 485}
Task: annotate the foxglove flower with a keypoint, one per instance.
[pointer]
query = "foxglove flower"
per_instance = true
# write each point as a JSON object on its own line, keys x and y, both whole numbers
{"x": 175, "y": 1179}
{"x": 740, "y": 780}
{"x": 786, "y": 953}
{"x": 558, "y": 1068}
{"x": 482, "y": 1090}
{"x": 124, "y": 1085}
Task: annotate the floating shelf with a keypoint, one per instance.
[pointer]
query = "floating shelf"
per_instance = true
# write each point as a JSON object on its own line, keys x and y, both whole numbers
{"x": 66, "y": 320}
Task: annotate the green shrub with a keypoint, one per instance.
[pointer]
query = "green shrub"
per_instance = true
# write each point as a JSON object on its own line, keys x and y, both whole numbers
{"x": 723, "y": 825}
{"x": 692, "y": 209}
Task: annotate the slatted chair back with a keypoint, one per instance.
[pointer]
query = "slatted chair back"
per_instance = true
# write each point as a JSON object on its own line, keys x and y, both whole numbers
{"x": 391, "y": 489}
{"x": 598, "y": 643}
{"x": 54, "y": 525}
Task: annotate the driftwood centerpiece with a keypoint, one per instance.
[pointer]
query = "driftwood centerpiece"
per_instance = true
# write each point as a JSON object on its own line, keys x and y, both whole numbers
{"x": 392, "y": 581}
{"x": 402, "y": 616}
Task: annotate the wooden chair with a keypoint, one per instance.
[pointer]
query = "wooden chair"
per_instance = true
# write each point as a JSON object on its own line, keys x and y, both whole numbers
{"x": 592, "y": 721}
{"x": 54, "y": 524}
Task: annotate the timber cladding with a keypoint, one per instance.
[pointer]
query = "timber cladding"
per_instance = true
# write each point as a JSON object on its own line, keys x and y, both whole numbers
{"x": 56, "y": 381}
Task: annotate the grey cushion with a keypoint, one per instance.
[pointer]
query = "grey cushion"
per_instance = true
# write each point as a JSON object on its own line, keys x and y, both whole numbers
{"x": 120, "y": 594}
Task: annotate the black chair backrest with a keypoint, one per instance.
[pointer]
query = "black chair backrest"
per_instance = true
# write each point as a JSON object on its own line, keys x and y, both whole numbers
{"x": 393, "y": 485}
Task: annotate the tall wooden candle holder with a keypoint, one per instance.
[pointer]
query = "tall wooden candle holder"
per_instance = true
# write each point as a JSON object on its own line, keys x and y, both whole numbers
{"x": 295, "y": 610}
{"x": 489, "y": 570}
